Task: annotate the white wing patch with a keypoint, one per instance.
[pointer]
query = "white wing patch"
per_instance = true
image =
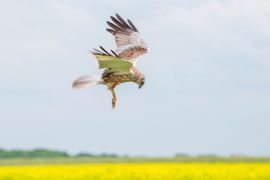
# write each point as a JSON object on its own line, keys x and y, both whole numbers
{"x": 127, "y": 38}
{"x": 124, "y": 39}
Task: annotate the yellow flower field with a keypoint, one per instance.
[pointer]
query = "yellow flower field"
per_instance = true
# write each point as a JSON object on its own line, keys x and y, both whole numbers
{"x": 147, "y": 171}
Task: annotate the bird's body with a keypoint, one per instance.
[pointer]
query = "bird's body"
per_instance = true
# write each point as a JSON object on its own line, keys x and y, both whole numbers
{"x": 113, "y": 79}
{"x": 119, "y": 65}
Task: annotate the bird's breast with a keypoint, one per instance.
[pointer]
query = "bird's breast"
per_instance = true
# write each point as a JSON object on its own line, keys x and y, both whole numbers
{"x": 114, "y": 79}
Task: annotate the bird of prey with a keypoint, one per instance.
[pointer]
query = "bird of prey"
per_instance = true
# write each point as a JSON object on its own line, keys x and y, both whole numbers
{"x": 119, "y": 65}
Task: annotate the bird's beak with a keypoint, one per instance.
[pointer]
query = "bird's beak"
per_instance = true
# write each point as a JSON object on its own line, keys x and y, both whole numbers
{"x": 141, "y": 85}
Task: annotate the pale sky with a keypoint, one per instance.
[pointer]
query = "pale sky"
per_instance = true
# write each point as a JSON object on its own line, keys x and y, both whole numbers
{"x": 207, "y": 77}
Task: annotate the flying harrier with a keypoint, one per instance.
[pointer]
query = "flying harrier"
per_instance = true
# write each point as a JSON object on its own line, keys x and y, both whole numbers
{"x": 119, "y": 65}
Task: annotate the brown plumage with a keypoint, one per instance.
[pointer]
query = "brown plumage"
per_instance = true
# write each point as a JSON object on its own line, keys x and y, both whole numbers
{"x": 119, "y": 65}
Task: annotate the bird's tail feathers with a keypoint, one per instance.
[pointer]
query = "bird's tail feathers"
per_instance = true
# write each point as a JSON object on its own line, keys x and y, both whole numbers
{"x": 86, "y": 81}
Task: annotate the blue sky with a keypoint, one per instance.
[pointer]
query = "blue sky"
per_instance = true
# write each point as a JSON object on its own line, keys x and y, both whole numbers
{"x": 207, "y": 78}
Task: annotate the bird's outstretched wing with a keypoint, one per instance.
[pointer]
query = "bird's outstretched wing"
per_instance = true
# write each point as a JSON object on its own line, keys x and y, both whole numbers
{"x": 111, "y": 61}
{"x": 127, "y": 38}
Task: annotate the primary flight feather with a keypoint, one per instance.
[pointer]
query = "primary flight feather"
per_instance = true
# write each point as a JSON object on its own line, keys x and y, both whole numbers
{"x": 119, "y": 65}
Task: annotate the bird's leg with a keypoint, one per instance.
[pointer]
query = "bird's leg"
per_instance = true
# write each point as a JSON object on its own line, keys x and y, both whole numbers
{"x": 113, "y": 98}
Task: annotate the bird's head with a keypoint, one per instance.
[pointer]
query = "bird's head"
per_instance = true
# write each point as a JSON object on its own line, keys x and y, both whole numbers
{"x": 141, "y": 82}
{"x": 137, "y": 76}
